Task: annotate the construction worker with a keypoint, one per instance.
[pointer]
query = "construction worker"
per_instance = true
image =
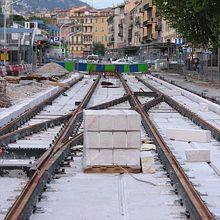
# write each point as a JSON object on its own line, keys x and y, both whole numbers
{"x": 1, "y": 152}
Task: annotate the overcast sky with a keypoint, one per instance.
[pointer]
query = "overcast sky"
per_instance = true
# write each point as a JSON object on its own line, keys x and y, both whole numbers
{"x": 102, "y": 3}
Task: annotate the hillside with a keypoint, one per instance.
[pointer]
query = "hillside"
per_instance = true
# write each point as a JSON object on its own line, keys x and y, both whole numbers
{"x": 37, "y": 5}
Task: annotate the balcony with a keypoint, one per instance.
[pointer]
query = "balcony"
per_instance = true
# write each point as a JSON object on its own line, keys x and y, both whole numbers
{"x": 147, "y": 6}
{"x": 120, "y": 25}
{"x": 120, "y": 34}
{"x": 137, "y": 21}
{"x": 131, "y": 26}
{"x": 87, "y": 33}
{"x": 158, "y": 13}
{"x": 147, "y": 38}
{"x": 77, "y": 42}
{"x": 158, "y": 27}
{"x": 87, "y": 43}
{"x": 147, "y": 23}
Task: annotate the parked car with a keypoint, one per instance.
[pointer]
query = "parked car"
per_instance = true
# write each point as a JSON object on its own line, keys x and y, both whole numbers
{"x": 92, "y": 59}
{"x": 150, "y": 63}
{"x": 121, "y": 61}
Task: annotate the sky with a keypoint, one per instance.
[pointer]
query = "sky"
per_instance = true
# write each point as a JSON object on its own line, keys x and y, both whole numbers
{"x": 103, "y": 3}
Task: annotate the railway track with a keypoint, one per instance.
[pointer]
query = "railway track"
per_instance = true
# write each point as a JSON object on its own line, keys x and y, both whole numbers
{"x": 19, "y": 120}
{"x": 58, "y": 153}
{"x": 182, "y": 104}
{"x": 51, "y": 118}
{"x": 191, "y": 198}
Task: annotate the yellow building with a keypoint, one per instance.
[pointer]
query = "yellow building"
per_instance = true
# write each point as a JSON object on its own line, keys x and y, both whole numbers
{"x": 89, "y": 26}
{"x": 100, "y": 26}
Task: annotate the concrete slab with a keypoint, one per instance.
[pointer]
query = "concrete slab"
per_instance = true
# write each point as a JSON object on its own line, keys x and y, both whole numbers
{"x": 189, "y": 135}
{"x": 198, "y": 155}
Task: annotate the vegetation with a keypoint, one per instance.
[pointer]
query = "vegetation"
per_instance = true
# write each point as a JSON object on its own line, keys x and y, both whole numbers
{"x": 99, "y": 49}
{"x": 17, "y": 18}
{"x": 198, "y": 21}
{"x": 45, "y": 20}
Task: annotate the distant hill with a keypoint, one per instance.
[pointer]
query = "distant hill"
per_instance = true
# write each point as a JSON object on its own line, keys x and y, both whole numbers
{"x": 38, "y": 5}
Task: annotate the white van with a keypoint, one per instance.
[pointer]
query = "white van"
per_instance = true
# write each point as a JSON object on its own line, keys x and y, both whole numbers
{"x": 92, "y": 59}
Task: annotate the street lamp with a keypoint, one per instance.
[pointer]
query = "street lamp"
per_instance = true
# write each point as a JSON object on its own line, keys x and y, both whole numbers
{"x": 69, "y": 22}
{"x": 4, "y": 8}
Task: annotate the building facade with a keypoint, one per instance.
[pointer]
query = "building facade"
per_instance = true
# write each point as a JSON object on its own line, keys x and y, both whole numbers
{"x": 81, "y": 27}
{"x": 168, "y": 33}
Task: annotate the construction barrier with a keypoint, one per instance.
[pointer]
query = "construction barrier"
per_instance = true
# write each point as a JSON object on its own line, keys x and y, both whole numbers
{"x": 15, "y": 70}
{"x": 92, "y": 67}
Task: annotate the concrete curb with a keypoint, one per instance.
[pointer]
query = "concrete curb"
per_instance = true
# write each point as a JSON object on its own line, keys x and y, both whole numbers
{"x": 15, "y": 111}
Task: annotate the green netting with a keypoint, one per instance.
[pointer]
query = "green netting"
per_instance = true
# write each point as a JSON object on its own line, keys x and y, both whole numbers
{"x": 91, "y": 67}
{"x": 142, "y": 68}
{"x": 109, "y": 68}
{"x": 69, "y": 66}
{"x": 126, "y": 68}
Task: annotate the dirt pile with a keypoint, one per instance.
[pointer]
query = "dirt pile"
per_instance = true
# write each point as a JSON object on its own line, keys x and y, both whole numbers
{"x": 51, "y": 69}
{"x": 4, "y": 99}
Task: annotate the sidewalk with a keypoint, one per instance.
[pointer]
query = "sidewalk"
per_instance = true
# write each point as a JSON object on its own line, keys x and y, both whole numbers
{"x": 206, "y": 89}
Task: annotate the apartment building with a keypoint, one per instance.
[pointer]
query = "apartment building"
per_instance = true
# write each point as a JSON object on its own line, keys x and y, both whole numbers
{"x": 168, "y": 32}
{"x": 152, "y": 22}
{"x": 86, "y": 26}
{"x": 135, "y": 30}
{"x": 100, "y": 26}
{"x": 133, "y": 24}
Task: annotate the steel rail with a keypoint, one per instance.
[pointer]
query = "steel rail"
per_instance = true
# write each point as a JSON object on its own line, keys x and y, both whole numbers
{"x": 110, "y": 103}
{"x": 26, "y": 116}
{"x": 25, "y": 203}
{"x": 192, "y": 200}
{"x": 27, "y": 131}
{"x": 148, "y": 105}
{"x": 185, "y": 111}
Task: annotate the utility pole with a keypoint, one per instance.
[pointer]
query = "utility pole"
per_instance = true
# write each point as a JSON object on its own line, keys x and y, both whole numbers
{"x": 5, "y": 13}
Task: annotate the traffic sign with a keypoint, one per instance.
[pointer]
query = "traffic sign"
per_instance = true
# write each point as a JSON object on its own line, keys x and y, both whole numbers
{"x": 179, "y": 41}
{"x": 54, "y": 39}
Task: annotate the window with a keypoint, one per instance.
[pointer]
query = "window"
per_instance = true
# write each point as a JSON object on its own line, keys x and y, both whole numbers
{"x": 102, "y": 20}
{"x": 102, "y": 38}
{"x": 103, "y": 29}
{"x": 96, "y": 20}
{"x": 96, "y": 29}
{"x": 76, "y": 48}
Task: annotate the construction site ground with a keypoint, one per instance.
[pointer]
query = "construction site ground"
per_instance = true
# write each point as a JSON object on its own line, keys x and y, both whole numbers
{"x": 192, "y": 83}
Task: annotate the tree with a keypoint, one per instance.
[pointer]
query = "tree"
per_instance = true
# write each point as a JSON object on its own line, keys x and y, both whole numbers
{"x": 18, "y": 18}
{"x": 198, "y": 21}
{"x": 99, "y": 49}
{"x": 45, "y": 20}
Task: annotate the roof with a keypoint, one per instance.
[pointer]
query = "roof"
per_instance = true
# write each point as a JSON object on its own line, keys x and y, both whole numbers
{"x": 38, "y": 21}
{"x": 16, "y": 30}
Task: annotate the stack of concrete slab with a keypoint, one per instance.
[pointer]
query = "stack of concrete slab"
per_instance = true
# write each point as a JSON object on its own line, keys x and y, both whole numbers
{"x": 111, "y": 138}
